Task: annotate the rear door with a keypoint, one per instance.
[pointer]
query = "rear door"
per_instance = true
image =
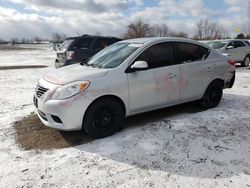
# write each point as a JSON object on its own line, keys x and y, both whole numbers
{"x": 159, "y": 85}
{"x": 241, "y": 50}
{"x": 234, "y": 52}
{"x": 195, "y": 69}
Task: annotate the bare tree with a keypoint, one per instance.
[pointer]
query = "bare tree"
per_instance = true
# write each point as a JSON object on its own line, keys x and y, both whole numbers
{"x": 161, "y": 31}
{"x": 138, "y": 29}
{"x": 25, "y": 41}
{"x": 14, "y": 41}
{"x": 2, "y": 41}
{"x": 207, "y": 30}
{"x": 179, "y": 34}
{"x": 37, "y": 39}
{"x": 58, "y": 37}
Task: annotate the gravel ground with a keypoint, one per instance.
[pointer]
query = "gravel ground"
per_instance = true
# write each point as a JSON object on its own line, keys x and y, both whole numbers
{"x": 181, "y": 146}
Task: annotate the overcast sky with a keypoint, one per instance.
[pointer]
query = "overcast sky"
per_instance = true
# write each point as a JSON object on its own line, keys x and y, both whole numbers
{"x": 30, "y": 18}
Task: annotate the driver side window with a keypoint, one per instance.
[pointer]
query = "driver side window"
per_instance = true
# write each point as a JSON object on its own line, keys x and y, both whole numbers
{"x": 158, "y": 55}
{"x": 232, "y": 44}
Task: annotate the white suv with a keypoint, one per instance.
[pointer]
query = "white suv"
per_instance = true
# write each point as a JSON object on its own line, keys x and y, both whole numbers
{"x": 237, "y": 49}
{"x": 132, "y": 77}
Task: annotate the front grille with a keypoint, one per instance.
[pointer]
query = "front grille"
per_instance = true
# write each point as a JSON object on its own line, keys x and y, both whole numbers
{"x": 40, "y": 91}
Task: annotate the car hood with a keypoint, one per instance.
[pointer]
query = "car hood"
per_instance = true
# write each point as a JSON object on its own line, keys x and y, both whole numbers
{"x": 72, "y": 73}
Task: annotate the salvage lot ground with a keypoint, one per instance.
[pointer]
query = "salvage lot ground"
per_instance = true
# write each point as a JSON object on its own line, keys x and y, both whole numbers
{"x": 182, "y": 146}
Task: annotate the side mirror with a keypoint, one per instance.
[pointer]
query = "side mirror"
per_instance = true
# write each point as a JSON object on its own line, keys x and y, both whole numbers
{"x": 137, "y": 66}
{"x": 230, "y": 47}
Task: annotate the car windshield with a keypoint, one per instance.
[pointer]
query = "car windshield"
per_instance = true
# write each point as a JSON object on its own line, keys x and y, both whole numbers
{"x": 216, "y": 44}
{"x": 114, "y": 55}
{"x": 66, "y": 44}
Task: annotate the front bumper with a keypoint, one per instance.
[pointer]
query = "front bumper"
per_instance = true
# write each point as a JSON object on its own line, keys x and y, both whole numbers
{"x": 64, "y": 114}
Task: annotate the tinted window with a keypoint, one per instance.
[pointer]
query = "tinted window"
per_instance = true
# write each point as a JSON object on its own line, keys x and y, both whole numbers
{"x": 240, "y": 44}
{"x": 186, "y": 52}
{"x": 158, "y": 55}
{"x": 66, "y": 44}
{"x": 232, "y": 44}
{"x": 83, "y": 43}
{"x": 247, "y": 42}
{"x": 113, "y": 40}
{"x": 101, "y": 44}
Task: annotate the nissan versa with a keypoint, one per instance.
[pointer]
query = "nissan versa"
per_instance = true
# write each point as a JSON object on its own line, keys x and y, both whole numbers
{"x": 131, "y": 77}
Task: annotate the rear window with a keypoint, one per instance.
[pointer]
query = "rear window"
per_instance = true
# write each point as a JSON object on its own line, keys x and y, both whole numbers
{"x": 247, "y": 42}
{"x": 239, "y": 44}
{"x": 217, "y": 44}
{"x": 187, "y": 52}
{"x": 66, "y": 44}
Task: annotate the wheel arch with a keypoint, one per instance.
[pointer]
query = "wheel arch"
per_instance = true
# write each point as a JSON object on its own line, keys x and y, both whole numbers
{"x": 216, "y": 80}
{"x": 109, "y": 96}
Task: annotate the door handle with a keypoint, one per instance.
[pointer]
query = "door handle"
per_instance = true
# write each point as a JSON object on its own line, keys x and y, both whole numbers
{"x": 172, "y": 75}
{"x": 209, "y": 69}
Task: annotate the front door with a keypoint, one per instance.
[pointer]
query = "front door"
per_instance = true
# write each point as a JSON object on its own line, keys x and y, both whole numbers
{"x": 234, "y": 52}
{"x": 159, "y": 85}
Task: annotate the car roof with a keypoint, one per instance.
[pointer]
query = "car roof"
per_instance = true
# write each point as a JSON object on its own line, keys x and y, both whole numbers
{"x": 150, "y": 40}
{"x": 92, "y": 36}
{"x": 227, "y": 40}
{"x": 157, "y": 39}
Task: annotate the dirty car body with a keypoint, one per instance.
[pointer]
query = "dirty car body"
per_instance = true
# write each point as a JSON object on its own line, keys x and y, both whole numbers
{"x": 131, "y": 77}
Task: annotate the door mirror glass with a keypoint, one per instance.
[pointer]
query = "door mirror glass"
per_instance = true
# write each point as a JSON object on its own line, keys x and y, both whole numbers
{"x": 138, "y": 66}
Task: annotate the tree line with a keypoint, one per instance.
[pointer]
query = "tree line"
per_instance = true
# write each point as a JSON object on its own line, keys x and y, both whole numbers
{"x": 205, "y": 30}
{"x": 56, "y": 37}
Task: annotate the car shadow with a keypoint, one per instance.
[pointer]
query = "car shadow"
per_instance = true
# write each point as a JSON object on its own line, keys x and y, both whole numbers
{"x": 31, "y": 134}
{"x": 184, "y": 140}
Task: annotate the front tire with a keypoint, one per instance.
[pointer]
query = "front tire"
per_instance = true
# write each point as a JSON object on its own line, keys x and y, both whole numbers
{"x": 246, "y": 62}
{"x": 103, "y": 118}
{"x": 212, "y": 96}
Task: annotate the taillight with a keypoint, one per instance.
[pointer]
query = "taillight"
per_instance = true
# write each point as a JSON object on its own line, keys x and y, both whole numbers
{"x": 231, "y": 62}
{"x": 70, "y": 55}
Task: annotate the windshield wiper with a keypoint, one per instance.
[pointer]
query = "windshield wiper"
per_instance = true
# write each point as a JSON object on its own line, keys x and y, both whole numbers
{"x": 85, "y": 62}
{"x": 95, "y": 65}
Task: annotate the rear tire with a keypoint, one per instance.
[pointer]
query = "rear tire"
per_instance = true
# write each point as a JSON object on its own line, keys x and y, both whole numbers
{"x": 212, "y": 96}
{"x": 103, "y": 118}
{"x": 246, "y": 62}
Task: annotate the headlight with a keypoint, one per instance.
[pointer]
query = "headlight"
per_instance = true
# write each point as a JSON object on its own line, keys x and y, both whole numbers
{"x": 70, "y": 90}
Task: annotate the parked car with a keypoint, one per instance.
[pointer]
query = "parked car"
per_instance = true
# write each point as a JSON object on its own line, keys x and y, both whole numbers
{"x": 238, "y": 49}
{"x": 76, "y": 49}
{"x": 131, "y": 77}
